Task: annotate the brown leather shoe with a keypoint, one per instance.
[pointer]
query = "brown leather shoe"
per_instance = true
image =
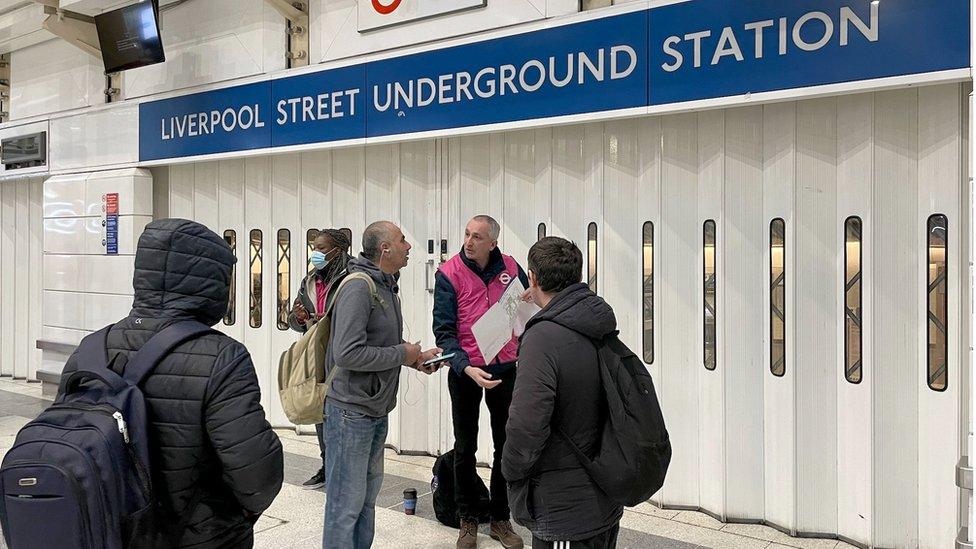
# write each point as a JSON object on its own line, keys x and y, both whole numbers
{"x": 503, "y": 532}
{"x": 468, "y": 537}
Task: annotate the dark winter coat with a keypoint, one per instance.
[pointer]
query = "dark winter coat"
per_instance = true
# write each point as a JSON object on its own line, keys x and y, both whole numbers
{"x": 558, "y": 387}
{"x": 216, "y": 463}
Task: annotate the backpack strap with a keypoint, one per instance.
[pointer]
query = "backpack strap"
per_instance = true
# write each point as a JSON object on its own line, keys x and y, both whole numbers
{"x": 370, "y": 283}
{"x": 598, "y": 344}
{"x": 91, "y": 362}
{"x": 158, "y": 346}
{"x": 142, "y": 364}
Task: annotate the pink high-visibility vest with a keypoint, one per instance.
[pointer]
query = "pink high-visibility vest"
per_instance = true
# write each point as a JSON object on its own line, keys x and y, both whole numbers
{"x": 474, "y": 298}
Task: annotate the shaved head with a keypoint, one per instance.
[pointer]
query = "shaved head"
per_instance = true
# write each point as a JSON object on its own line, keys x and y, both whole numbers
{"x": 375, "y": 235}
{"x": 385, "y": 245}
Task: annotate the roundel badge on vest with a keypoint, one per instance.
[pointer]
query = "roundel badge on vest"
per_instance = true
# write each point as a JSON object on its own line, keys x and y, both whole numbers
{"x": 505, "y": 278}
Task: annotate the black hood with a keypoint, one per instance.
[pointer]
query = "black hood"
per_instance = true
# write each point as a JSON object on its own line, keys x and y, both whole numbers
{"x": 581, "y": 310}
{"x": 182, "y": 270}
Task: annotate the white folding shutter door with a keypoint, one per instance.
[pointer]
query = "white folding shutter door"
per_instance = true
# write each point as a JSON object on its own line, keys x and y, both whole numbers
{"x": 36, "y": 253}
{"x": 258, "y": 179}
{"x": 230, "y": 224}
{"x": 779, "y": 394}
{"x": 940, "y": 176}
{"x": 286, "y": 264}
{"x": 649, "y": 211}
{"x": 8, "y": 280}
{"x": 568, "y": 173}
{"x": 711, "y": 402}
{"x": 380, "y": 200}
{"x": 817, "y": 312}
{"x": 855, "y": 167}
{"x": 205, "y": 205}
{"x": 678, "y": 313}
{"x": 413, "y": 190}
{"x": 896, "y": 235}
{"x": 742, "y": 270}
{"x": 621, "y": 228}
{"x": 181, "y": 180}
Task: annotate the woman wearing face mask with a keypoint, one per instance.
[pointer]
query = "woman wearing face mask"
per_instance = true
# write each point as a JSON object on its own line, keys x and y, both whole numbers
{"x": 330, "y": 255}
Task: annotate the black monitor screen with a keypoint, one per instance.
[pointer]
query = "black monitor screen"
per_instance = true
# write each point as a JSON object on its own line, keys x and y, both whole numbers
{"x": 129, "y": 37}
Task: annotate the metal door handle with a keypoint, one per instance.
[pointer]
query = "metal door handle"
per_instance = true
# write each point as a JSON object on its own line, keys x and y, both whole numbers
{"x": 964, "y": 474}
{"x": 427, "y": 283}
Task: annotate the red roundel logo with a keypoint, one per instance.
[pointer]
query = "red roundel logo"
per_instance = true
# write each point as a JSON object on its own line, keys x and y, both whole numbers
{"x": 505, "y": 278}
{"x": 386, "y": 9}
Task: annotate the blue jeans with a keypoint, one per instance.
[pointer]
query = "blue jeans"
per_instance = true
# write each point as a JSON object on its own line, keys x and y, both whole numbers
{"x": 353, "y": 476}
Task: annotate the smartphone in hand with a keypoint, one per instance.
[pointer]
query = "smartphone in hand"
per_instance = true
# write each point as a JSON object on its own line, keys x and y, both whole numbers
{"x": 439, "y": 359}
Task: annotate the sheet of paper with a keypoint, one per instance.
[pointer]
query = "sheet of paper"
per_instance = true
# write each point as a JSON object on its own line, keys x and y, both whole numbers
{"x": 524, "y": 313}
{"x": 494, "y": 330}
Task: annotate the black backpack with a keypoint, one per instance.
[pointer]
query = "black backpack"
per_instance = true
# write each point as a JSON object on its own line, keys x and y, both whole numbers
{"x": 634, "y": 450}
{"x": 443, "y": 487}
{"x": 78, "y": 476}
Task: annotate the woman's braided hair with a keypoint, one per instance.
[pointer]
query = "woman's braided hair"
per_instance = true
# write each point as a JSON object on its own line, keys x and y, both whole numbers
{"x": 338, "y": 238}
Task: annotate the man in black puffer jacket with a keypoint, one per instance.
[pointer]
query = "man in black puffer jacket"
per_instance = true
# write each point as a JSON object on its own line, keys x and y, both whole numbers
{"x": 558, "y": 390}
{"x": 216, "y": 463}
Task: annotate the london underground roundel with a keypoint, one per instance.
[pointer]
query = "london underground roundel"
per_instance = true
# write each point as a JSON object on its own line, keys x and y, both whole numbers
{"x": 386, "y": 8}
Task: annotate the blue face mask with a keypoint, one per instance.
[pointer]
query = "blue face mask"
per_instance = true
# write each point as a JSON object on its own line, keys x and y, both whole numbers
{"x": 319, "y": 260}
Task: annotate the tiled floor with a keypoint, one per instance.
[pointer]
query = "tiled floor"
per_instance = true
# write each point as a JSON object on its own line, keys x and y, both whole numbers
{"x": 295, "y": 518}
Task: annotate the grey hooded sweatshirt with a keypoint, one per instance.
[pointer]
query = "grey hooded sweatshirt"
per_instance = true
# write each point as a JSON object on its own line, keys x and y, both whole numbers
{"x": 366, "y": 344}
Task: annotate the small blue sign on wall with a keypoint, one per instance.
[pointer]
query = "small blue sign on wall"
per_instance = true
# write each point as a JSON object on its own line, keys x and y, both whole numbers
{"x": 717, "y": 48}
{"x": 112, "y": 235}
{"x": 230, "y": 119}
{"x": 110, "y": 205}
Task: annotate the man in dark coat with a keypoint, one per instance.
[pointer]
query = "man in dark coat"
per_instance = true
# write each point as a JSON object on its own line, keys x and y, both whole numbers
{"x": 216, "y": 463}
{"x": 558, "y": 391}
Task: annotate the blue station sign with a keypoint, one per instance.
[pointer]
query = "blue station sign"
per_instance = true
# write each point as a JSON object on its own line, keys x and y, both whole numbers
{"x": 672, "y": 54}
{"x": 718, "y": 48}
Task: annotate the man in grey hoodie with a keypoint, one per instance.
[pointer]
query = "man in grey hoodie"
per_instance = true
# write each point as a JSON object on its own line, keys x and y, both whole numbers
{"x": 368, "y": 349}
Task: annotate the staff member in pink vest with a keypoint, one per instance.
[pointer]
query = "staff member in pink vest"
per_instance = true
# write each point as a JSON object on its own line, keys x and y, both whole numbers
{"x": 466, "y": 287}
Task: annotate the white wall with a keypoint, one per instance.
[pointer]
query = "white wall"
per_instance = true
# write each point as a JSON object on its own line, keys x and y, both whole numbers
{"x": 205, "y": 42}
{"x": 101, "y": 138}
{"x": 51, "y": 77}
{"x": 335, "y": 34}
{"x": 21, "y": 25}
{"x": 212, "y": 41}
{"x": 83, "y": 289}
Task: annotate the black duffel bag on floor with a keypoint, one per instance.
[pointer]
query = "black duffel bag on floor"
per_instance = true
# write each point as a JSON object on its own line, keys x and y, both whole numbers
{"x": 443, "y": 487}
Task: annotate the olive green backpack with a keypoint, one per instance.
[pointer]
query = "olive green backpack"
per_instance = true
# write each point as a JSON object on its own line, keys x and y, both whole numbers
{"x": 302, "y": 384}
